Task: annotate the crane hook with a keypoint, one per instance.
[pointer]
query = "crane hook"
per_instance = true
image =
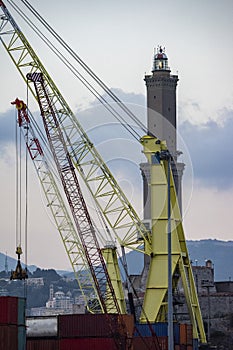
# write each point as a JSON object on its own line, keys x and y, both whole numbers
{"x": 19, "y": 273}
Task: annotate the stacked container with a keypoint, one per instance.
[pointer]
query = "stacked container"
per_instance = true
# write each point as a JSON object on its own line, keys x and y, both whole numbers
{"x": 68, "y": 332}
{"x": 42, "y": 333}
{"x": 144, "y": 335}
{"x": 12, "y": 323}
{"x": 97, "y": 332}
{"x": 94, "y": 332}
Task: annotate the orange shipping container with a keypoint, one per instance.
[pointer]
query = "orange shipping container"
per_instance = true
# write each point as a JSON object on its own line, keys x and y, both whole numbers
{"x": 186, "y": 334}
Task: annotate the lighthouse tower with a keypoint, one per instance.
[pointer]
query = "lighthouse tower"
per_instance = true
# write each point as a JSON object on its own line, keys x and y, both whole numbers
{"x": 161, "y": 101}
{"x": 161, "y": 121}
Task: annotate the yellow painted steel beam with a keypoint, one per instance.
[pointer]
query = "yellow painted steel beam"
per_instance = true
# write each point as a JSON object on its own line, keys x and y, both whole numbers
{"x": 155, "y": 300}
{"x": 110, "y": 256}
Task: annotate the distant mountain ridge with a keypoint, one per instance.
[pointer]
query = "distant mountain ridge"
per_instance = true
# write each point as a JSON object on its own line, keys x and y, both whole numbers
{"x": 219, "y": 252}
{"x": 11, "y": 263}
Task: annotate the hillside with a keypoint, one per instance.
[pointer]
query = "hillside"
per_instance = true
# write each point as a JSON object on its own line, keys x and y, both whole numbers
{"x": 220, "y": 252}
{"x": 11, "y": 262}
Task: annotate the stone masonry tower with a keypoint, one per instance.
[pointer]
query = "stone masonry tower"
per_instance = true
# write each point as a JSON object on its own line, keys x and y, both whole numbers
{"x": 161, "y": 98}
{"x": 161, "y": 122}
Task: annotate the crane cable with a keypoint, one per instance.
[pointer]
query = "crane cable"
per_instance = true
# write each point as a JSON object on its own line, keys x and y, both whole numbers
{"x": 78, "y": 75}
{"x": 20, "y": 223}
{"x": 67, "y": 64}
{"x": 84, "y": 65}
{"x": 17, "y": 226}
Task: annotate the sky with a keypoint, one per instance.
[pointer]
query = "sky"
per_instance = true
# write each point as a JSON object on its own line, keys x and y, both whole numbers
{"x": 117, "y": 40}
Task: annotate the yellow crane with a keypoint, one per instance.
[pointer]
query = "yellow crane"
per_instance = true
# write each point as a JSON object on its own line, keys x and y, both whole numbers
{"x": 112, "y": 202}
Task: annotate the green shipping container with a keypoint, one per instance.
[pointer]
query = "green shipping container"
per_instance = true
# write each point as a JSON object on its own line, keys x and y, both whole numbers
{"x": 21, "y": 311}
{"x": 21, "y": 338}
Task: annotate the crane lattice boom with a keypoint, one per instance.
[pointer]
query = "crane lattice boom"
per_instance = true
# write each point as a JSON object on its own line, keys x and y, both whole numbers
{"x": 120, "y": 215}
{"x": 74, "y": 196}
{"x": 55, "y": 203}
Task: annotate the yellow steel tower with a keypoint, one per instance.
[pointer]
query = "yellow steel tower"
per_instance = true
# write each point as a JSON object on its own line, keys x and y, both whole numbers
{"x": 155, "y": 300}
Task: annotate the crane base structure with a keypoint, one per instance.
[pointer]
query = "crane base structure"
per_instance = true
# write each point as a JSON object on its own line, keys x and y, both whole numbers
{"x": 156, "y": 295}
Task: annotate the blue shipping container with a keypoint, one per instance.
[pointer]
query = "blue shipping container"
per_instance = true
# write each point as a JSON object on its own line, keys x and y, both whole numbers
{"x": 195, "y": 344}
{"x": 159, "y": 328}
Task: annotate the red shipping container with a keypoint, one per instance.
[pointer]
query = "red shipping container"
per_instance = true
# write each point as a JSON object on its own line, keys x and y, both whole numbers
{"x": 89, "y": 325}
{"x": 144, "y": 343}
{"x": 163, "y": 342}
{"x": 189, "y": 331}
{"x": 87, "y": 344}
{"x": 183, "y": 347}
{"x": 42, "y": 344}
{"x": 177, "y": 347}
{"x": 9, "y": 310}
{"x": 8, "y": 337}
{"x": 129, "y": 324}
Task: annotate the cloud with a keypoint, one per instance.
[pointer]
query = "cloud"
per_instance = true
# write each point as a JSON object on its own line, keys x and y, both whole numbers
{"x": 209, "y": 144}
{"x": 7, "y": 127}
{"x": 211, "y": 151}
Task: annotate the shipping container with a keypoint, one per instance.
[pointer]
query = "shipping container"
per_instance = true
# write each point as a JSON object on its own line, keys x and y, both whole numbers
{"x": 163, "y": 343}
{"x": 195, "y": 344}
{"x": 42, "y": 344}
{"x": 189, "y": 347}
{"x": 129, "y": 324}
{"x": 21, "y": 311}
{"x": 186, "y": 334}
{"x": 159, "y": 328}
{"x": 9, "y": 310}
{"x": 41, "y": 327}
{"x": 177, "y": 347}
{"x": 21, "y": 337}
{"x": 183, "y": 347}
{"x": 189, "y": 331}
{"x": 89, "y": 325}
{"x": 144, "y": 343}
{"x": 8, "y": 337}
{"x": 176, "y": 333}
{"x": 86, "y": 344}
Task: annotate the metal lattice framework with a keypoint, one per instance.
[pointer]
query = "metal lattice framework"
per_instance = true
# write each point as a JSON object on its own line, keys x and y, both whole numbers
{"x": 121, "y": 217}
{"x": 81, "y": 217}
{"x": 57, "y": 207}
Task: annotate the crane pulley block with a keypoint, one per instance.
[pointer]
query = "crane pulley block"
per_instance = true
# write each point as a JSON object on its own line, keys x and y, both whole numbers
{"x": 19, "y": 273}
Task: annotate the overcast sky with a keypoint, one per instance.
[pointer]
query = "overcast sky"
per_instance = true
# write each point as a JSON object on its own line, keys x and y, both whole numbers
{"x": 117, "y": 40}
